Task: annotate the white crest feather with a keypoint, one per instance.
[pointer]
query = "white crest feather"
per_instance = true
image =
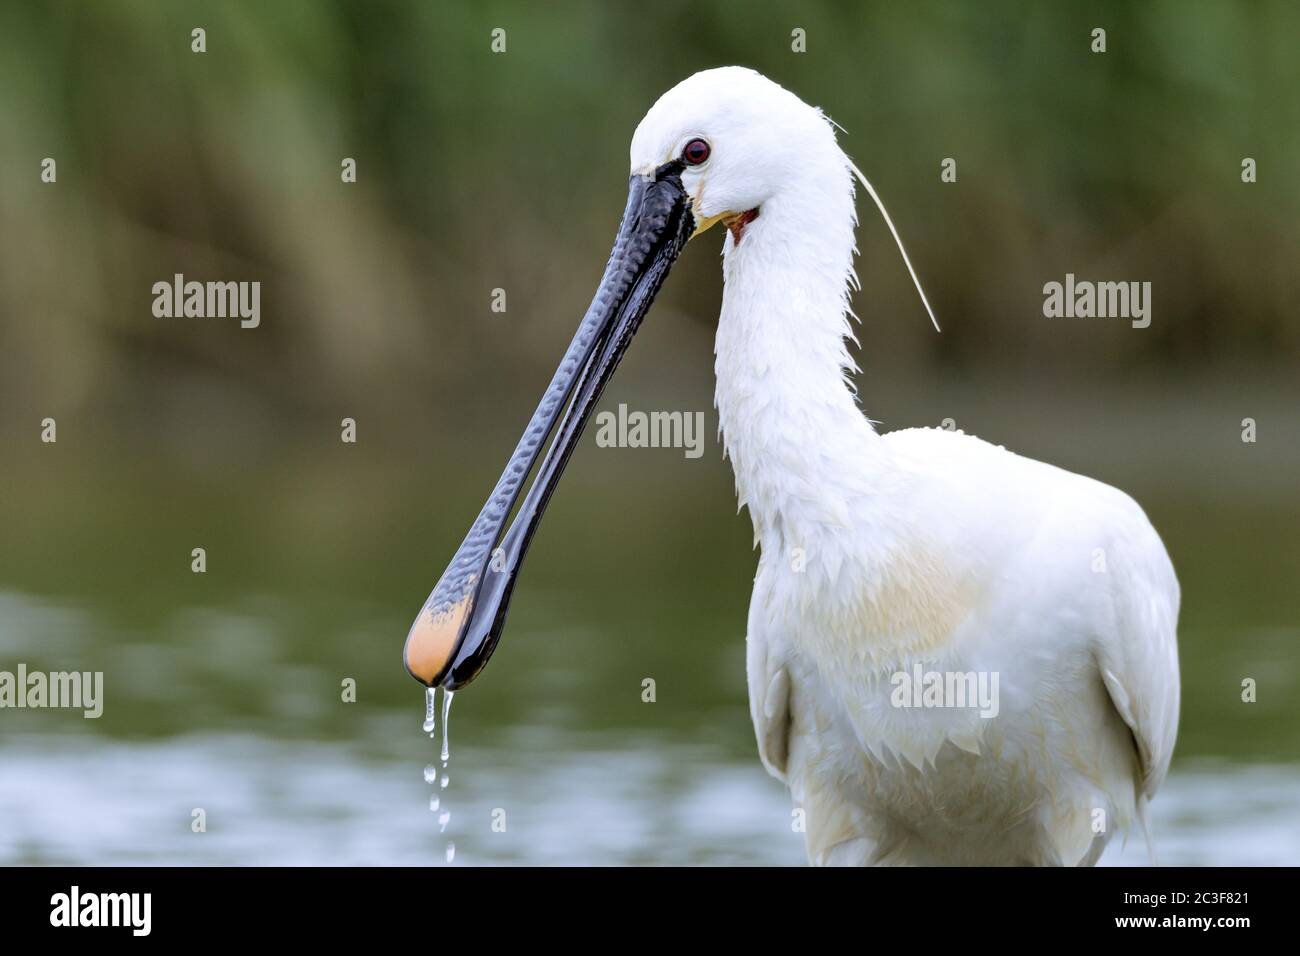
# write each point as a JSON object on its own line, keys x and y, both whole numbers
{"x": 871, "y": 191}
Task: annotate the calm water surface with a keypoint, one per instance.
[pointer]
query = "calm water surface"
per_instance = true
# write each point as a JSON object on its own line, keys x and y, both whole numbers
{"x": 223, "y": 690}
{"x": 595, "y": 800}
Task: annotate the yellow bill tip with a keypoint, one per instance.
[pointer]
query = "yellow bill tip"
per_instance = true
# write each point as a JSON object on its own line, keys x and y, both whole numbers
{"x": 432, "y": 640}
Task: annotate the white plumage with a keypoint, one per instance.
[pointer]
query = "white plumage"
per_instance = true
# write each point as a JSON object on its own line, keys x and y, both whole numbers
{"x": 917, "y": 547}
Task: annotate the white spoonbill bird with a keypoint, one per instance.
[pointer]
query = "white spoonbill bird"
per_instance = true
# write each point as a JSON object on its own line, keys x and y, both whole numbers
{"x": 956, "y": 655}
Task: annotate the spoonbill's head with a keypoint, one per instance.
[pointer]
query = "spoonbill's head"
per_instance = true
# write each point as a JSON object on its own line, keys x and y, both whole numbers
{"x": 743, "y": 141}
{"x": 725, "y": 145}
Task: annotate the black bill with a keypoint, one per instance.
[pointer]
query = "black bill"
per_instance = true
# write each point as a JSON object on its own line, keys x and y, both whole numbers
{"x": 459, "y": 626}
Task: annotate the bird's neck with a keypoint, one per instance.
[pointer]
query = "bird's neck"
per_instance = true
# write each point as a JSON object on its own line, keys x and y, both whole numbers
{"x": 803, "y": 452}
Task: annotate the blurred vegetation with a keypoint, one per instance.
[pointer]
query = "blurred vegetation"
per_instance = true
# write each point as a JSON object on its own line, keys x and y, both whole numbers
{"x": 479, "y": 171}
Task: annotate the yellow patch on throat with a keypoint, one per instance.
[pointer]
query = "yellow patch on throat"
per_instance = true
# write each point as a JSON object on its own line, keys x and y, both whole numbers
{"x": 704, "y": 225}
{"x": 707, "y": 223}
{"x": 735, "y": 221}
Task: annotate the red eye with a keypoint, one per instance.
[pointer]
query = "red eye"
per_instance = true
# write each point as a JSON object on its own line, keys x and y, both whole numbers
{"x": 696, "y": 152}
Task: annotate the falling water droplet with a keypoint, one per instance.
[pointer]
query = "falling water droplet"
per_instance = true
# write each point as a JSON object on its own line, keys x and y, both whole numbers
{"x": 446, "y": 712}
{"x": 431, "y": 773}
{"x": 429, "y": 709}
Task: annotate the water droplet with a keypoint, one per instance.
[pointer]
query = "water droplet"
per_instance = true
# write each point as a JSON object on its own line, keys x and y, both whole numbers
{"x": 431, "y": 773}
{"x": 429, "y": 709}
{"x": 446, "y": 712}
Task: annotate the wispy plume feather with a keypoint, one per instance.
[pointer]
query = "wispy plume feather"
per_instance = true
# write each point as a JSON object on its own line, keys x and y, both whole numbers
{"x": 871, "y": 191}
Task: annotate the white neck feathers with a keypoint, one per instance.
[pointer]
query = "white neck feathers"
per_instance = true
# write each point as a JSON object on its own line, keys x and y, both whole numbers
{"x": 800, "y": 446}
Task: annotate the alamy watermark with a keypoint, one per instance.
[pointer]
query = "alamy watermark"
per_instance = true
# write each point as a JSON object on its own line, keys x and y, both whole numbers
{"x": 1083, "y": 299}
{"x": 209, "y": 300}
{"x": 74, "y": 908}
{"x": 73, "y": 690}
{"x": 626, "y": 429}
{"x": 946, "y": 689}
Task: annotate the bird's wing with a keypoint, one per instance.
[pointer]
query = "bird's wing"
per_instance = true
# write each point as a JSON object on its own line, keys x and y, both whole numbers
{"x": 1138, "y": 661}
{"x": 769, "y": 694}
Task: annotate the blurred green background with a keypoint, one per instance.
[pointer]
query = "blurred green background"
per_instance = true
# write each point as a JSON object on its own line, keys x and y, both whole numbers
{"x": 479, "y": 171}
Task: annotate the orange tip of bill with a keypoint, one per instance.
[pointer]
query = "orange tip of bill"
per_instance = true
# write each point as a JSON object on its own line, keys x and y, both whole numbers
{"x": 431, "y": 642}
